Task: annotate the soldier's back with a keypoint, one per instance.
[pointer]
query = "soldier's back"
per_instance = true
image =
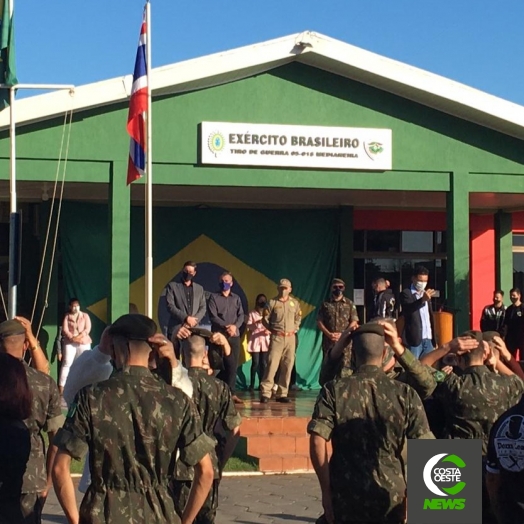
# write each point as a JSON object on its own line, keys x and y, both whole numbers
{"x": 136, "y": 421}
{"x": 374, "y": 417}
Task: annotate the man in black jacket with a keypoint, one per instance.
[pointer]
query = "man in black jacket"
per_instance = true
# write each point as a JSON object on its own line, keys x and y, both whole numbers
{"x": 384, "y": 300}
{"x": 185, "y": 301}
{"x": 419, "y": 330}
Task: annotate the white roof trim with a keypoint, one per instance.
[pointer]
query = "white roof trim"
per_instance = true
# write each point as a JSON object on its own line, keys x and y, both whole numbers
{"x": 307, "y": 47}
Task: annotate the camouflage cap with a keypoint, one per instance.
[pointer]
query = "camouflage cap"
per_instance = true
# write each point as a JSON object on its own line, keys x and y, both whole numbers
{"x": 477, "y": 335}
{"x": 10, "y": 328}
{"x": 488, "y": 336}
{"x": 201, "y": 332}
{"x": 133, "y": 327}
{"x": 338, "y": 282}
{"x": 284, "y": 282}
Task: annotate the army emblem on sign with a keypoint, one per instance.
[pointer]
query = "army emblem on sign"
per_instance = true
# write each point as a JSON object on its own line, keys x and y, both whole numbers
{"x": 373, "y": 149}
{"x": 216, "y": 143}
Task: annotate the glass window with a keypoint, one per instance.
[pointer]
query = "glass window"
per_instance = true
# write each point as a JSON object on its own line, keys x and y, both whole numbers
{"x": 358, "y": 241}
{"x": 440, "y": 241}
{"x": 518, "y": 240}
{"x": 383, "y": 241}
{"x": 518, "y": 270}
{"x": 417, "y": 241}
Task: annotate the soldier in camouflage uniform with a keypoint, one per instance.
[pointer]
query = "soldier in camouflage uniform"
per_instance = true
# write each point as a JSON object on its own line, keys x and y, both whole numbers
{"x": 474, "y": 400}
{"x": 398, "y": 364}
{"x": 336, "y": 315}
{"x": 215, "y": 404}
{"x": 46, "y": 416}
{"x": 133, "y": 425}
{"x": 368, "y": 418}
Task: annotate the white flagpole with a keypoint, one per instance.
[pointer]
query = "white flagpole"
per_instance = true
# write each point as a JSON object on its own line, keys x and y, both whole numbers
{"x": 13, "y": 237}
{"x": 149, "y": 174}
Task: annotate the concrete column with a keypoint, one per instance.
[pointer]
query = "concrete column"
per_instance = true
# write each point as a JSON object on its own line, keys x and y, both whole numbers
{"x": 346, "y": 260}
{"x": 457, "y": 207}
{"x": 504, "y": 252}
{"x": 119, "y": 248}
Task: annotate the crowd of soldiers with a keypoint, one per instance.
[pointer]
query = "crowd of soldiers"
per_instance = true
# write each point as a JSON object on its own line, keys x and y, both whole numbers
{"x": 157, "y": 434}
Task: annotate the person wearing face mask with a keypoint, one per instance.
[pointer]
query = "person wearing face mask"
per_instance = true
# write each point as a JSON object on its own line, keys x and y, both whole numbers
{"x": 227, "y": 316}
{"x": 336, "y": 315}
{"x": 75, "y": 338}
{"x": 513, "y": 329}
{"x": 258, "y": 340}
{"x": 493, "y": 315}
{"x": 185, "y": 300}
{"x": 281, "y": 318}
{"x": 419, "y": 329}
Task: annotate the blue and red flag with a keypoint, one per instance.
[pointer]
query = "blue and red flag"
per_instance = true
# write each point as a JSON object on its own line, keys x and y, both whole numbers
{"x": 137, "y": 117}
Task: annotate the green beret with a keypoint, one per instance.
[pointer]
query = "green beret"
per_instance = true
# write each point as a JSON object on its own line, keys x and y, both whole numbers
{"x": 201, "y": 332}
{"x": 488, "y": 336}
{"x": 371, "y": 329}
{"x": 476, "y": 335}
{"x": 10, "y": 328}
{"x": 133, "y": 327}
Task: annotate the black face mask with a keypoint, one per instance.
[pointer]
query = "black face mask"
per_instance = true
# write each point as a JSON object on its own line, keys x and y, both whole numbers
{"x": 337, "y": 292}
{"x": 261, "y": 304}
{"x": 186, "y": 277}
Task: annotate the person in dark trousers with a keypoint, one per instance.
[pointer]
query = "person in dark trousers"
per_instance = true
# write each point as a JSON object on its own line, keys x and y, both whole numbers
{"x": 227, "y": 316}
{"x": 493, "y": 315}
{"x": 419, "y": 329}
{"x": 513, "y": 330}
{"x": 186, "y": 301}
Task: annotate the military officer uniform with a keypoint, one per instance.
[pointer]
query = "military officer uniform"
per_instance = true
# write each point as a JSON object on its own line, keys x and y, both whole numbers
{"x": 133, "y": 425}
{"x": 282, "y": 318}
{"x": 336, "y": 315}
{"x": 214, "y": 403}
{"x": 407, "y": 369}
{"x": 473, "y": 401}
{"x": 46, "y": 416}
{"x": 368, "y": 418}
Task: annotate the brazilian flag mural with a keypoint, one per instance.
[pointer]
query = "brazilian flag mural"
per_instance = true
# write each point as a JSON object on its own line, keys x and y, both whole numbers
{"x": 259, "y": 247}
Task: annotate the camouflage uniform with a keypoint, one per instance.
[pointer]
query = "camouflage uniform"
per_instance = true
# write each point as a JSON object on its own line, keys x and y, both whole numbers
{"x": 336, "y": 315}
{"x": 368, "y": 416}
{"x": 133, "y": 424}
{"x": 214, "y": 403}
{"x": 46, "y": 416}
{"x": 407, "y": 369}
{"x": 475, "y": 400}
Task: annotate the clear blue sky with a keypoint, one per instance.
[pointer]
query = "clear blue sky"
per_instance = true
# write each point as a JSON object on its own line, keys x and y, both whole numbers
{"x": 477, "y": 42}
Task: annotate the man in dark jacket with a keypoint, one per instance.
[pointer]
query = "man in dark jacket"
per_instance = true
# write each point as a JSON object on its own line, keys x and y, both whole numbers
{"x": 514, "y": 324}
{"x": 185, "y": 301}
{"x": 419, "y": 329}
{"x": 384, "y": 300}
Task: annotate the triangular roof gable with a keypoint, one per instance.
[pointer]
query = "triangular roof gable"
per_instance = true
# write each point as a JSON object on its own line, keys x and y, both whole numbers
{"x": 310, "y": 48}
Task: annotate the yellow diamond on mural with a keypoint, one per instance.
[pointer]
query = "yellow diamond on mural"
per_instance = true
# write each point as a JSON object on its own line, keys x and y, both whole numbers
{"x": 202, "y": 249}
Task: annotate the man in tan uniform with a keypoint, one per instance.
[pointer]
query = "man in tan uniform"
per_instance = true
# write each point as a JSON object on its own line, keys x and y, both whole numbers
{"x": 282, "y": 317}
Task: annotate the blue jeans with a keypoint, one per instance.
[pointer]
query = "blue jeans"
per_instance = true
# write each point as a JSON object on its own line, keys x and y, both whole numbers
{"x": 425, "y": 347}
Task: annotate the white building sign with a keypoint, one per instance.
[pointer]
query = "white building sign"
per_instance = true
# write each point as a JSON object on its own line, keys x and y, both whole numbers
{"x": 228, "y": 143}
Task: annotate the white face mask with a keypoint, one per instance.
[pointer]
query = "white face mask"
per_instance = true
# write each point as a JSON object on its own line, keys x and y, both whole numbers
{"x": 420, "y": 286}
{"x": 76, "y": 309}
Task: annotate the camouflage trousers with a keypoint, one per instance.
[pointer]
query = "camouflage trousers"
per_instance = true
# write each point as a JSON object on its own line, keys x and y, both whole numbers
{"x": 26, "y": 509}
{"x": 208, "y": 512}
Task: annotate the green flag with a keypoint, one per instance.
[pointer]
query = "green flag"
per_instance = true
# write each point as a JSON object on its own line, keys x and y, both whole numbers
{"x": 7, "y": 50}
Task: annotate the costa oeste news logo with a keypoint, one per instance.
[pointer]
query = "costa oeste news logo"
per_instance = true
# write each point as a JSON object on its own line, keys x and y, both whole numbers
{"x": 443, "y": 477}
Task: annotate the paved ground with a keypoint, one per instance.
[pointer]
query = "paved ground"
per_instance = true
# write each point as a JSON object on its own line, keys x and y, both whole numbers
{"x": 268, "y": 499}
